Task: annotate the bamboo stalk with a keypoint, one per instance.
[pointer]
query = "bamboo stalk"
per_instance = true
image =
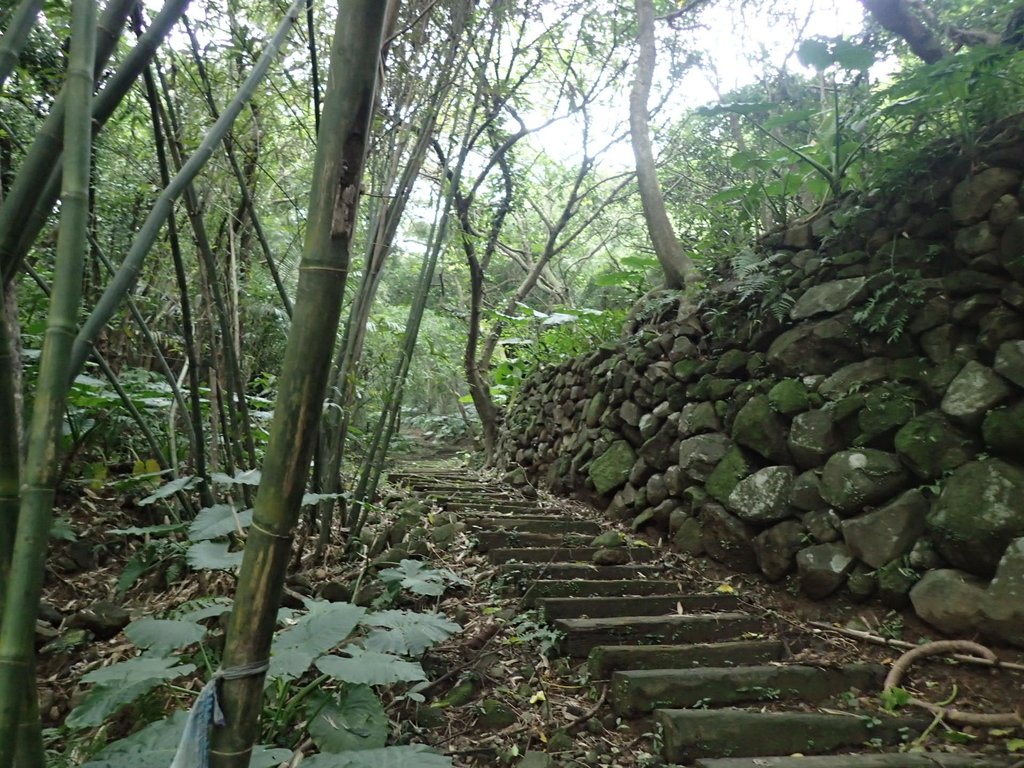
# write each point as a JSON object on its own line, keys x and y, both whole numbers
{"x": 341, "y": 147}
{"x": 35, "y": 513}
{"x": 16, "y": 36}
{"x": 130, "y": 268}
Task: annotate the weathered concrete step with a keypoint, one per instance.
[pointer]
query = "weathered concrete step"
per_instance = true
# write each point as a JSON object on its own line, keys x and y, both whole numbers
{"x": 488, "y": 540}
{"x": 527, "y": 525}
{"x": 605, "y": 659}
{"x": 582, "y": 635}
{"x": 563, "y": 554}
{"x": 690, "y": 734}
{"x": 636, "y": 692}
{"x": 597, "y": 588}
{"x": 486, "y": 507}
{"x": 655, "y": 605}
{"x": 526, "y": 572}
{"x": 909, "y": 760}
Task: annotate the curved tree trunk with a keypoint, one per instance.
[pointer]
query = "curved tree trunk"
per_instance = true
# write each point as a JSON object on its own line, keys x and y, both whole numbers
{"x": 677, "y": 267}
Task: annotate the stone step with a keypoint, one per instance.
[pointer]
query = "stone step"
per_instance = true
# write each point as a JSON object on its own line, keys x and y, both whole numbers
{"x": 528, "y": 525}
{"x": 562, "y": 554}
{"x": 605, "y": 659}
{"x": 523, "y": 573}
{"x": 636, "y": 692}
{"x": 485, "y": 508}
{"x": 582, "y": 635}
{"x": 488, "y": 540}
{"x": 655, "y": 605}
{"x": 596, "y": 588}
{"x": 908, "y": 760}
{"x": 690, "y": 734}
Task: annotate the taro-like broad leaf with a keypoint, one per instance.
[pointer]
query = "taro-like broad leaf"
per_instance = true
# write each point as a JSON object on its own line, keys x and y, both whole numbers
{"x": 171, "y": 488}
{"x": 244, "y": 477}
{"x": 416, "y": 577}
{"x": 164, "y": 635}
{"x": 120, "y": 684}
{"x": 218, "y": 520}
{"x": 213, "y": 555}
{"x": 408, "y": 756}
{"x": 313, "y": 634}
{"x": 370, "y": 668}
{"x": 355, "y": 721}
{"x": 407, "y": 633}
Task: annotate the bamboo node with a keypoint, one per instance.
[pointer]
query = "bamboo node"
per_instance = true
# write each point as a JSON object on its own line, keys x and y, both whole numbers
{"x": 271, "y": 534}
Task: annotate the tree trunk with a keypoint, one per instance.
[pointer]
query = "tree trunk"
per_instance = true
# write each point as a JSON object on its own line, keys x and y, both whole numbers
{"x": 677, "y": 267}
{"x": 896, "y": 17}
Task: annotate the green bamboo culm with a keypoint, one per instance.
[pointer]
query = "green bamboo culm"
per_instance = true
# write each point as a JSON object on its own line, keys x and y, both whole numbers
{"x": 16, "y": 36}
{"x": 340, "y": 155}
{"x": 35, "y": 513}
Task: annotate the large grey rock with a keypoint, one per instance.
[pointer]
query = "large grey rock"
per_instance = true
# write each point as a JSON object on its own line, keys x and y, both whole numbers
{"x": 976, "y": 239}
{"x": 976, "y": 390}
{"x": 762, "y": 430}
{"x": 1010, "y": 362}
{"x": 657, "y": 490}
{"x": 856, "y": 479}
{"x": 895, "y": 580}
{"x": 814, "y": 347}
{"x": 727, "y": 539}
{"x": 949, "y": 600}
{"x": 856, "y": 376}
{"x": 776, "y": 548}
{"x": 978, "y": 514}
{"x": 822, "y": 569}
{"x": 931, "y": 445}
{"x": 595, "y": 409}
{"x": 1011, "y": 249}
{"x": 823, "y": 525}
{"x": 806, "y": 493}
{"x": 1002, "y": 605}
{"x": 885, "y": 534}
{"x": 763, "y": 497}
{"x": 611, "y": 469}
{"x": 1003, "y": 430}
{"x": 973, "y": 198}
{"x": 813, "y": 437}
{"x": 659, "y": 451}
{"x": 696, "y": 418}
{"x": 104, "y": 619}
{"x": 829, "y": 297}
{"x": 698, "y": 456}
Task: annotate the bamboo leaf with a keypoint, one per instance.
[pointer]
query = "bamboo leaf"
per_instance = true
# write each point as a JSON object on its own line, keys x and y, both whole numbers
{"x": 407, "y": 633}
{"x": 357, "y": 721}
{"x": 370, "y": 668}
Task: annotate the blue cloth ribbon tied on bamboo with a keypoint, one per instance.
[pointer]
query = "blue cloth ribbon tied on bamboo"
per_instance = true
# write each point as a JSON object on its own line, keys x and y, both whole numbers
{"x": 194, "y": 745}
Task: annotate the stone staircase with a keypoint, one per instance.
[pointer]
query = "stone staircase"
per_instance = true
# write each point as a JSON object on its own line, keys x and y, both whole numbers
{"x": 722, "y": 691}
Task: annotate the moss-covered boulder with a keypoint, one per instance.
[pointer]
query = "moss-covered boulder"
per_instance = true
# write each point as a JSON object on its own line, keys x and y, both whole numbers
{"x": 813, "y": 437}
{"x": 1002, "y": 606}
{"x": 974, "y": 197}
{"x": 930, "y": 445}
{"x": 763, "y": 497}
{"x": 1010, "y": 362}
{"x": 611, "y": 469}
{"x": 733, "y": 467}
{"x": 886, "y": 408}
{"x": 789, "y": 397}
{"x": 831, "y": 297}
{"x": 978, "y": 514}
{"x": 698, "y": 456}
{"x": 696, "y": 418}
{"x": 1003, "y": 431}
{"x": 822, "y": 569}
{"x": 806, "y": 493}
{"x": 974, "y": 392}
{"x": 759, "y": 428}
{"x": 853, "y": 480}
{"x": 814, "y": 347}
{"x": 856, "y": 376}
{"x": 887, "y": 533}
{"x": 949, "y": 600}
{"x": 727, "y": 539}
{"x": 776, "y": 548}
{"x": 895, "y": 580}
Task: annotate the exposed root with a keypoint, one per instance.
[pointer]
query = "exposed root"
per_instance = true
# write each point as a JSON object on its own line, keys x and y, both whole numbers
{"x": 949, "y": 714}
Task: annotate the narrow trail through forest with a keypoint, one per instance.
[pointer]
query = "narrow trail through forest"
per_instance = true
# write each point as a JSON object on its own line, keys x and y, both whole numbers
{"x": 684, "y": 665}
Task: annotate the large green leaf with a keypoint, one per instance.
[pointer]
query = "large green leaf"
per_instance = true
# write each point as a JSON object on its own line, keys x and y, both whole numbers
{"x": 356, "y": 721}
{"x": 409, "y": 756}
{"x": 152, "y": 747}
{"x": 415, "y": 576}
{"x": 311, "y": 636}
{"x": 244, "y": 477}
{"x": 370, "y": 668}
{"x": 171, "y": 488}
{"x": 120, "y": 684}
{"x": 138, "y": 669}
{"x": 218, "y": 520}
{"x": 163, "y": 635}
{"x": 407, "y": 633}
{"x": 213, "y": 555}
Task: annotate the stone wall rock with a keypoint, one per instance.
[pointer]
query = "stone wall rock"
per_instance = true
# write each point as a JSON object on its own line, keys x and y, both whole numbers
{"x": 868, "y": 435}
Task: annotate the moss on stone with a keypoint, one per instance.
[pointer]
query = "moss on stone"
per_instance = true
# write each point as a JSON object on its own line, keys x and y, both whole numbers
{"x": 789, "y": 397}
{"x": 733, "y": 467}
